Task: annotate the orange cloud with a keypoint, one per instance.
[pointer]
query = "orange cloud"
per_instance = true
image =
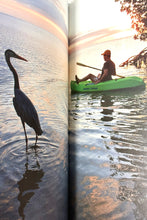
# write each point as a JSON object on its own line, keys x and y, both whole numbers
{"x": 18, "y": 10}
{"x": 100, "y": 36}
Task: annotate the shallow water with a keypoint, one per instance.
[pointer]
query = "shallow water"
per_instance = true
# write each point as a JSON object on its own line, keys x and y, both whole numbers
{"x": 34, "y": 183}
{"x": 108, "y": 155}
{"x": 108, "y": 152}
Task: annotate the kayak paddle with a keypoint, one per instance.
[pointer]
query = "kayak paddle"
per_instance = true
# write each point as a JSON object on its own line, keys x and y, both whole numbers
{"x": 81, "y": 64}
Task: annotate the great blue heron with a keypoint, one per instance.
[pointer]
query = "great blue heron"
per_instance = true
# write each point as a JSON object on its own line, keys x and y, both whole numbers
{"x": 22, "y": 104}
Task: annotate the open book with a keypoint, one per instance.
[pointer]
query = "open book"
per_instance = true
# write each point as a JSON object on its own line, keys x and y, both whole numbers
{"x": 67, "y": 155}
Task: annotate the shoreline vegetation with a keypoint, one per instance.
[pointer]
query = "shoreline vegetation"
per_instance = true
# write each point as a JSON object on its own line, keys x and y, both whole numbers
{"x": 138, "y": 60}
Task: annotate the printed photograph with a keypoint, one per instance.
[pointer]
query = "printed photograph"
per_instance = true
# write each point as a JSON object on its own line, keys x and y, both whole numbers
{"x": 34, "y": 109}
{"x": 108, "y": 109}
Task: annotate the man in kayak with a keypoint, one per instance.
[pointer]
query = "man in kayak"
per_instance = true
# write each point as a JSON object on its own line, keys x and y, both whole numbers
{"x": 107, "y": 71}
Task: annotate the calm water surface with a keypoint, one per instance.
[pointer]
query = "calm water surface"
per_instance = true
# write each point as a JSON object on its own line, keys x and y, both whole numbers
{"x": 33, "y": 185}
{"x": 108, "y": 149}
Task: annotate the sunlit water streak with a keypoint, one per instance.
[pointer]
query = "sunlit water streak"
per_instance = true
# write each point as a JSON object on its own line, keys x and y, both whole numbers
{"x": 33, "y": 184}
{"x": 107, "y": 138}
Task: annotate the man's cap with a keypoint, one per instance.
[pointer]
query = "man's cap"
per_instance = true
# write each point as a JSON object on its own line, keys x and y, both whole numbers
{"x": 107, "y": 53}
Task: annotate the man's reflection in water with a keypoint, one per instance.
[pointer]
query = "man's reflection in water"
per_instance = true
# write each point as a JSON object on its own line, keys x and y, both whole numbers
{"x": 106, "y": 101}
{"x": 27, "y": 186}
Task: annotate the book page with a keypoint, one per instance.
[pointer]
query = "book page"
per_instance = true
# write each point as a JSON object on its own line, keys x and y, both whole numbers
{"x": 107, "y": 120}
{"x": 33, "y": 93}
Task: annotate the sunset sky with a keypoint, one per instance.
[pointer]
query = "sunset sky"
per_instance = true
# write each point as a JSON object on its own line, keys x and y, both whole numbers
{"x": 97, "y": 20}
{"x": 49, "y": 15}
{"x": 89, "y": 20}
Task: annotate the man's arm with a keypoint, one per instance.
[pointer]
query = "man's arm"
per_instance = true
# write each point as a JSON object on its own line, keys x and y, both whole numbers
{"x": 105, "y": 74}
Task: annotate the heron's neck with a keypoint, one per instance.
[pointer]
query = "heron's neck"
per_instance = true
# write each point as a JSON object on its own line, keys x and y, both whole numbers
{"x": 16, "y": 81}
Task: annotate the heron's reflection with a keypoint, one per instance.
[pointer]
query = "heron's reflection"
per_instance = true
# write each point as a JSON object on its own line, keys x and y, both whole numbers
{"x": 28, "y": 184}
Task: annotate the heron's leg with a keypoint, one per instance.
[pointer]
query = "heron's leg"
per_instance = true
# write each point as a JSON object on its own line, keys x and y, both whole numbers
{"x": 36, "y": 139}
{"x": 25, "y": 134}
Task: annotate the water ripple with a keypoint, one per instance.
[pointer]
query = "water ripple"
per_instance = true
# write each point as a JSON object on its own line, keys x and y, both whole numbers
{"x": 108, "y": 149}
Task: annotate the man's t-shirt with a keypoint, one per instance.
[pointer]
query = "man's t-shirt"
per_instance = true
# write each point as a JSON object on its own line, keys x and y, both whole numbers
{"x": 110, "y": 65}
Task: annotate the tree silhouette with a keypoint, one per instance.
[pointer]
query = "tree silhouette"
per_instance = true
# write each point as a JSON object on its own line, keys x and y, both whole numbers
{"x": 137, "y": 9}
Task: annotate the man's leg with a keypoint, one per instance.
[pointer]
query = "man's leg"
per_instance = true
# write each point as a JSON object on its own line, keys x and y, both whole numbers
{"x": 89, "y": 76}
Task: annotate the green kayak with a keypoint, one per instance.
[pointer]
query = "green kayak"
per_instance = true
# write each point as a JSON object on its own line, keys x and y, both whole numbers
{"x": 132, "y": 82}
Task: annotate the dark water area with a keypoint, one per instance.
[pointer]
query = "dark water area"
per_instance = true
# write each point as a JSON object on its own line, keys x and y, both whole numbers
{"x": 108, "y": 155}
{"x": 33, "y": 184}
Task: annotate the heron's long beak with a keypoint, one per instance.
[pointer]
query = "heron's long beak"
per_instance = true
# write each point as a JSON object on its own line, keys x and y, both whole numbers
{"x": 21, "y": 58}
